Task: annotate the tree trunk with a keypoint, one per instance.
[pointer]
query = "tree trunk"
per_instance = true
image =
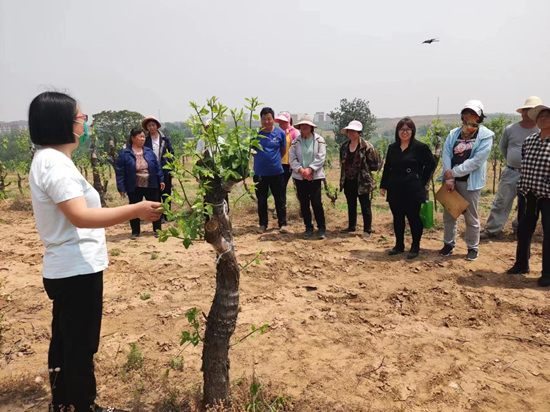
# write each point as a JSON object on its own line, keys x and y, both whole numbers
{"x": 3, "y": 185}
{"x": 222, "y": 318}
{"x": 96, "y": 174}
{"x": 494, "y": 175}
{"x": 20, "y": 183}
{"x": 437, "y": 157}
{"x": 332, "y": 197}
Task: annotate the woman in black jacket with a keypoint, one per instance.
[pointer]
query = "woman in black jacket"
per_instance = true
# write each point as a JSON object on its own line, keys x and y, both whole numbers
{"x": 409, "y": 165}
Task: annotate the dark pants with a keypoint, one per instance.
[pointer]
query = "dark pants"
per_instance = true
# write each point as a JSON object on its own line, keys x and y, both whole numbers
{"x": 76, "y": 324}
{"x": 351, "y": 190}
{"x": 136, "y": 197}
{"x": 167, "y": 190}
{"x": 309, "y": 193}
{"x": 287, "y": 173}
{"x": 529, "y": 208}
{"x": 276, "y": 184}
{"x": 411, "y": 209}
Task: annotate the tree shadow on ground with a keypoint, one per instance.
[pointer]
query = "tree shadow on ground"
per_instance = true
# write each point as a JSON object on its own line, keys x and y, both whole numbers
{"x": 483, "y": 278}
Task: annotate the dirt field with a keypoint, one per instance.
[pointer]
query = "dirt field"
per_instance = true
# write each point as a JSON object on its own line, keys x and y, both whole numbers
{"x": 352, "y": 329}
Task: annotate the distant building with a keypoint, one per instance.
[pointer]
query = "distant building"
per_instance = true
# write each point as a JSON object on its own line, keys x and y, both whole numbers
{"x": 320, "y": 117}
{"x": 13, "y": 126}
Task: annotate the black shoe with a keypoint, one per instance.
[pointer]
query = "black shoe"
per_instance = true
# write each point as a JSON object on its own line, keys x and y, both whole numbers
{"x": 413, "y": 252}
{"x": 543, "y": 281}
{"x": 348, "y": 230}
{"x": 322, "y": 233}
{"x": 516, "y": 270}
{"x": 308, "y": 233}
{"x": 134, "y": 236}
{"x": 446, "y": 251}
{"x": 472, "y": 254}
{"x": 396, "y": 250}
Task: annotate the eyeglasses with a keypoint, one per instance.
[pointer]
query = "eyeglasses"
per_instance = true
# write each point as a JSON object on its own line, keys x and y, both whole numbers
{"x": 82, "y": 116}
{"x": 405, "y": 130}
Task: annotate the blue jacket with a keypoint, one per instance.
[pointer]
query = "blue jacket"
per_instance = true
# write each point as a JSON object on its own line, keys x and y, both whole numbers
{"x": 126, "y": 170}
{"x": 476, "y": 164}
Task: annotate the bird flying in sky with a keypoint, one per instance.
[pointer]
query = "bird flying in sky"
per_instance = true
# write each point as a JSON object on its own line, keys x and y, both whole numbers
{"x": 430, "y": 41}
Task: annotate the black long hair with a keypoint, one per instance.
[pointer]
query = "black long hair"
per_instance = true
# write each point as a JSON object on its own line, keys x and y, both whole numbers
{"x": 51, "y": 118}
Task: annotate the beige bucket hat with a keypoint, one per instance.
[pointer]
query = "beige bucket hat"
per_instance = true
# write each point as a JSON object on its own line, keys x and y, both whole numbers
{"x": 535, "y": 111}
{"x": 530, "y": 103}
{"x": 305, "y": 120}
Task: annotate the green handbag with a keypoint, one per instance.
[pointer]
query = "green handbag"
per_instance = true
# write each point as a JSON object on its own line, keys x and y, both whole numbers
{"x": 427, "y": 214}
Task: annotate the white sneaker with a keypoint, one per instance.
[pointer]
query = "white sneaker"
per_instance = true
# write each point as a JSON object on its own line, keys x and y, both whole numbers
{"x": 283, "y": 229}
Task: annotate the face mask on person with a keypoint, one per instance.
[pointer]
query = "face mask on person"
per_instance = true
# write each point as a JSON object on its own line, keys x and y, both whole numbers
{"x": 84, "y": 137}
{"x": 470, "y": 128}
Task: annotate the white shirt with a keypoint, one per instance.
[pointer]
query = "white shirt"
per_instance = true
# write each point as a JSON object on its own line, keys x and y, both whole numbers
{"x": 70, "y": 251}
{"x": 156, "y": 146}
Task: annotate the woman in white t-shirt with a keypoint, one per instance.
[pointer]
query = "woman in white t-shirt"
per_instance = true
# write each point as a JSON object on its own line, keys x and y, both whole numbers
{"x": 70, "y": 222}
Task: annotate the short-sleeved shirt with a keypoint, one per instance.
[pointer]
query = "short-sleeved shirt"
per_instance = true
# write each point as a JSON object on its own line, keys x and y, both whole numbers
{"x": 70, "y": 251}
{"x": 267, "y": 162}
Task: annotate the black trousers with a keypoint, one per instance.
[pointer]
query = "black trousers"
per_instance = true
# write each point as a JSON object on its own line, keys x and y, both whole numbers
{"x": 76, "y": 325}
{"x": 529, "y": 209}
{"x": 276, "y": 185}
{"x": 136, "y": 197}
{"x": 351, "y": 191}
{"x": 400, "y": 208}
{"x": 287, "y": 173}
{"x": 309, "y": 193}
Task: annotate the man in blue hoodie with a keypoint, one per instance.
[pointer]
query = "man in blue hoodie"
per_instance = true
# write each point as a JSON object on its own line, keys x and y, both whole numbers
{"x": 465, "y": 155}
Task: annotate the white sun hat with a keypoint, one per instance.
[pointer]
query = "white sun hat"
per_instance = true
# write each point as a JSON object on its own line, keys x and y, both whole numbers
{"x": 474, "y": 105}
{"x": 353, "y": 125}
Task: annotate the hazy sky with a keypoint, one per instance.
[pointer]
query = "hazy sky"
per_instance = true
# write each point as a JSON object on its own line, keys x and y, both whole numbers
{"x": 301, "y": 56}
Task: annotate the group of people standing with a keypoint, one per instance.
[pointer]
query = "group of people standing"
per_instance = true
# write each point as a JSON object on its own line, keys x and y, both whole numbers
{"x": 297, "y": 151}
{"x": 71, "y": 222}
{"x": 140, "y": 169}
{"x": 408, "y": 168}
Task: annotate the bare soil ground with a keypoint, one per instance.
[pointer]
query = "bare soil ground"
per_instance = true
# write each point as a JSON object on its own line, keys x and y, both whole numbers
{"x": 351, "y": 329}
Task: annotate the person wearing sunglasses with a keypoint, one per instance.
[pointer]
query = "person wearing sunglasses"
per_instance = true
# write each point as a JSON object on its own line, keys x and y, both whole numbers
{"x": 70, "y": 222}
{"x": 465, "y": 155}
{"x": 407, "y": 170}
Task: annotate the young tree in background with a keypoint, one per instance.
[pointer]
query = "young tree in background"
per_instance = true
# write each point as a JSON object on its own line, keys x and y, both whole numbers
{"x": 357, "y": 109}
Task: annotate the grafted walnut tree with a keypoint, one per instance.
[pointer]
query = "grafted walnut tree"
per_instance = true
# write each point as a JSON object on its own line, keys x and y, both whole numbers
{"x": 216, "y": 170}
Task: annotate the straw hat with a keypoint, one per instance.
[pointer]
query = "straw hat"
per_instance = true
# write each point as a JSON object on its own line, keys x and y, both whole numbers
{"x": 305, "y": 120}
{"x": 474, "y": 105}
{"x": 283, "y": 117}
{"x": 353, "y": 125}
{"x": 535, "y": 111}
{"x": 147, "y": 120}
{"x": 530, "y": 103}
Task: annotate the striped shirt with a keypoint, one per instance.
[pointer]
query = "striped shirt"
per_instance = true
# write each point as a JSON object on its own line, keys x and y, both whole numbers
{"x": 535, "y": 167}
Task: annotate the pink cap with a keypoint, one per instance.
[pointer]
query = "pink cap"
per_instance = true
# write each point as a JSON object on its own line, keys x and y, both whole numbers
{"x": 283, "y": 117}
